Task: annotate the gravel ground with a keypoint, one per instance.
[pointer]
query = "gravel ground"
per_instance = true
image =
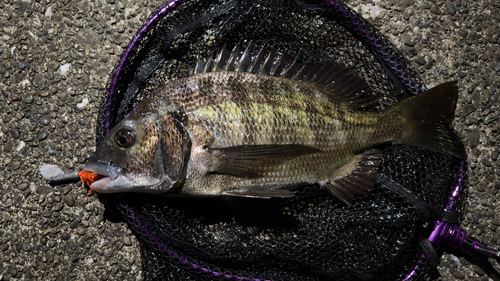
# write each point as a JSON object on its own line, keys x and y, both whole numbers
{"x": 56, "y": 57}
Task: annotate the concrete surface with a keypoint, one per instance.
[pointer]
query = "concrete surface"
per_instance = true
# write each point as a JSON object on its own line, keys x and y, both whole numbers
{"x": 56, "y": 57}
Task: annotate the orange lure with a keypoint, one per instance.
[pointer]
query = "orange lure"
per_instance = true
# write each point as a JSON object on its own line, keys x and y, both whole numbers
{"x": 88, "y": 178}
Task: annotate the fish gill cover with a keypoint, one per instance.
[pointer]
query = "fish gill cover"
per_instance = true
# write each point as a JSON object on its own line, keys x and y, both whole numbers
{"x": 310, "y": 236}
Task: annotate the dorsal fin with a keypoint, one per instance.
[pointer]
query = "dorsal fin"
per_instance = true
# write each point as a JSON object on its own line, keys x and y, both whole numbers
{"x": 268, "y": 61}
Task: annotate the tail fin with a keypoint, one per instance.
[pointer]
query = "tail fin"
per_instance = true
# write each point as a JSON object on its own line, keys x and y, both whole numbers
{"x": 432, "y": 112}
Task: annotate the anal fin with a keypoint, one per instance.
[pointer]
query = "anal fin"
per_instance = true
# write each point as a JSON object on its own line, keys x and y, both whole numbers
{"x": 356, "y": 177}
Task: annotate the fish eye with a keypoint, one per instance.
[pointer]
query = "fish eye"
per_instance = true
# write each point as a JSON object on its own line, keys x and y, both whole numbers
{"x": 125, "y": 138}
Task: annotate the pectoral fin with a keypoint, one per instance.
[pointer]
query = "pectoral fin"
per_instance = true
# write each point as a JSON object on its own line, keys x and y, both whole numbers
{"x": 249, "y": 160}
{"x": 356, "y": 177}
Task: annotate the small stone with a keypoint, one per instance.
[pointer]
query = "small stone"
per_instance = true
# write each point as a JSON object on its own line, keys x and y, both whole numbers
{"x": 127, "y": 241}
{"x": 84, "y": 80}
{"x": 450, "y": 8}
{"x": 463, "y": 33}
{"x": 51, "y": 243}
{"x": 124, "y": 266}
{"x": 44, "y": 109}
{"x": 473, "y": 136}
{"x": 58, "y": 207}
{"x": 44, "y": 121}
{"x": 89, "y": 260}
{"x": 409, "y": 43}
{"x": 407, "y": 3}
{"x": 15, "y": 97}
{"x": 459, "y": 275}
{"x": 485, "y": 97}
{"x": 80, "y": 231}
{"x": 108, "y": 253}
{"x": 73, "y": 224}
{"x": 494, "y": 98}
{"x": 100, "y": 251}
{"x": 414, "y": 21}
{"x": 435, "y": 10}
{"x": 478, "y": 17}
{"x": 420, "y": 60}
{"x": 19, "y": 115}
{"x": 411, "y": 51}
{"x": 478, "y": 270}
{"x": 42, "y": 135}
{"x": 70, "y": 200}
{"x": 468, "y": 109}
{"x": 494, "y": 155}
{"x": 476, "y": 96}
{"x": 43, "y": 190}
{"x": 23, "y": 186}
{"x": 14, "y": 133}
{"x": 28, "y": 99}
{"x": 401, "y": 28}
{"x": 26, "y": 247}
{"x": 497, "y": 68}
{"x": 81, "y": 143}
{"x": 15, "y": 165}
{"x": 490, "y": 118}
{"x": 490, "y": 32}
{"x": 475, "y": 219}
{"x": 429, "y": 64}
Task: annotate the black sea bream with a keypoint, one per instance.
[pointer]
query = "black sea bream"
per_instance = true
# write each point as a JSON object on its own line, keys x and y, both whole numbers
{"x": 263, "y": 125}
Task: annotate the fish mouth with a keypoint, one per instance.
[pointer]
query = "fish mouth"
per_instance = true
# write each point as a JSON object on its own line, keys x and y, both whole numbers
{"x": 116, "y": 179}
{"x": 113, "y": 178}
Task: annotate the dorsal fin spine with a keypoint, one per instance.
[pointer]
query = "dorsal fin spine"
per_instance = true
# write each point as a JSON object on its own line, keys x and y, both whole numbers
{"x": 266, "y": 61}
{"x": 245, "y": 59}
{"x": 347, "y": 84}
{"x": 233, "y": 56}
{"x": 218, "y": 60}
{"x": 256, "y": 60}
{"x": 200, "y": 64}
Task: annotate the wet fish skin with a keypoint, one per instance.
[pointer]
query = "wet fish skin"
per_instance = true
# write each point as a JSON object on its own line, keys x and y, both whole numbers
{"x": 180, "y": 127}
{"x": 260, "y": 126}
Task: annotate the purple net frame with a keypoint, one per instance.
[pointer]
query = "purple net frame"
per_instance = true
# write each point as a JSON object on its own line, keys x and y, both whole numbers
{"x": 444, "y": 232}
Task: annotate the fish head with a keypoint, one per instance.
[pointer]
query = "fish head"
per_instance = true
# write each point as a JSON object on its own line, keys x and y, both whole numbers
{"x": 145, "y": 154}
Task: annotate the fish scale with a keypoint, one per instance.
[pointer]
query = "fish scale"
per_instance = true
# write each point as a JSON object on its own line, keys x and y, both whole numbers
{"x": 281, "y": 124}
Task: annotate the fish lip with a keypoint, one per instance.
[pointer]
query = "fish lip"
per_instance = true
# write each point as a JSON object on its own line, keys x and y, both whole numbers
{"x": 115, "y": 179}
{"x": 103, "y": 169}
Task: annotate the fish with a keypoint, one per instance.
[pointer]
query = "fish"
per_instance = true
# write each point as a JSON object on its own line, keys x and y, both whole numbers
{"x": 263, "y": 125}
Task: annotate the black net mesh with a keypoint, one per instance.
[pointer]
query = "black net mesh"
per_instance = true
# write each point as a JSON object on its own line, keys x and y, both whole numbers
{"x": 311, "y": 236}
